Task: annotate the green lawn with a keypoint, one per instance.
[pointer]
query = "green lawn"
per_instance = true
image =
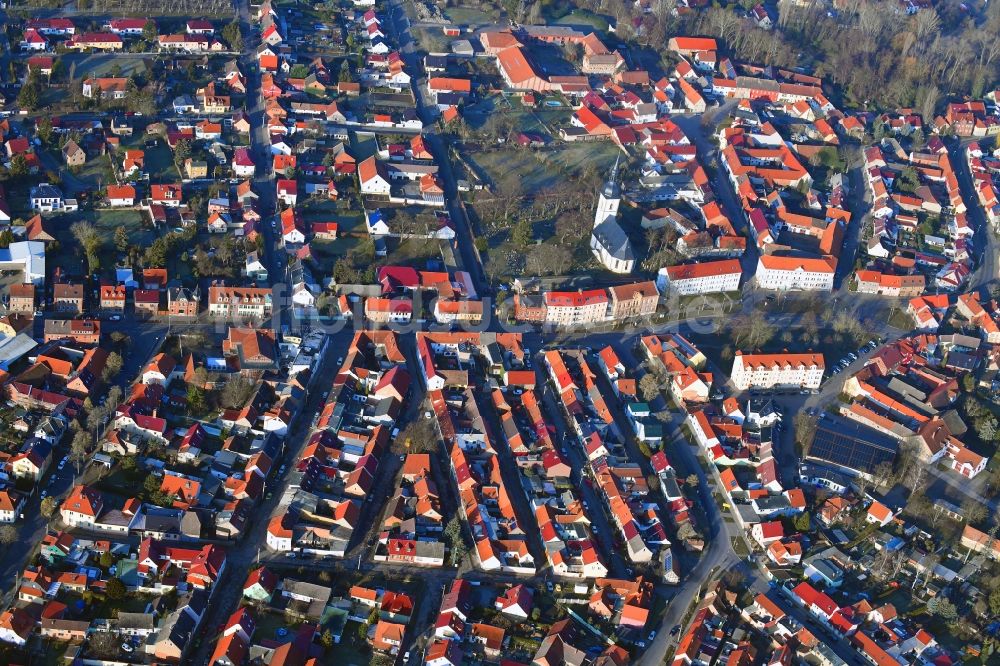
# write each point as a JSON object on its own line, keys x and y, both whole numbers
{"x": 120, "y": 482}
{"x": 572, "y": 157}
{"x": 68, "y": 254}
{"x": 476, "y": 114}
{"x": 900, "y": 319}
{"x": 101, "y": 64}
{"x": 321, "y": 209}
{"x": 431, "y": 40}
{"x": 269, "y": 623}
{"x": 524, "y": 172}
{"x": 516, "y": 172}
{"x": 159, "y": 163}
{"x": 350, "y": 651}
{"x": 363, "y": 145}
{"x": 469, "y": 15}
{"x": 326, "y": 253}
{"x": 96, "y": 172}
{"x": 416, "y": 252}
{"x": 53, "y": 654}
{"x": 581, "y": 18}
{"x": 132, "y": 603}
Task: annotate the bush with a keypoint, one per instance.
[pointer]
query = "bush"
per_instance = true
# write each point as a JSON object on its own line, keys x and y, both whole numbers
{"x": 115, "y": 588}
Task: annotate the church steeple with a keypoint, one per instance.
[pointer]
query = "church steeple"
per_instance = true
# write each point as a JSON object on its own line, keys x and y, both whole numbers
{"x": 611, "y": 188}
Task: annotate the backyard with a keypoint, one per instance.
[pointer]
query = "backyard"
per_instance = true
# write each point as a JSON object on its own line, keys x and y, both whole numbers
{"x": 69, "y": 255}
{"x": 430, "y": 39}
{"x": 78, "y": 66}
{"x": 544, "y": 120}
{"x": 468, "y": 15}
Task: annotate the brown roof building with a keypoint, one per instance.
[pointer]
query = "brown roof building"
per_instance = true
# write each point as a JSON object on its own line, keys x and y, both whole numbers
{"x": 634, "y": 300}
{"x": 22, "y": 297}
{"x": 68, "y": 298}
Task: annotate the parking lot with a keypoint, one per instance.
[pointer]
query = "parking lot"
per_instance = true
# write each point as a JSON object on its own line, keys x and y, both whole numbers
{"x": 851, "y": 358}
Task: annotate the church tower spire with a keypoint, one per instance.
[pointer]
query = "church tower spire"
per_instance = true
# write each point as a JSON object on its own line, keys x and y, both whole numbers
{"x": 611, "y": 189}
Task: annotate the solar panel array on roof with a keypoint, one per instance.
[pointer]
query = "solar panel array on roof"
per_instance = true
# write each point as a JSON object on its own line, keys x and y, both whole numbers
{"x": 851, "y": 446}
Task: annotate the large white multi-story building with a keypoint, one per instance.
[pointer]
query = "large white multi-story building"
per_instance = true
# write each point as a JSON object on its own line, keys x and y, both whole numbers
{"x": 569, "y": 308}
{"x": 777, "y": 371}
{"x": 798, "y": 273}
{"x": 239, "y": 302}
{"x": 709, "y": 277}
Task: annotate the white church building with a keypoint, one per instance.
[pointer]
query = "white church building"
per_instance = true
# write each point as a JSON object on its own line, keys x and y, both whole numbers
{"x": 608, "y": 241}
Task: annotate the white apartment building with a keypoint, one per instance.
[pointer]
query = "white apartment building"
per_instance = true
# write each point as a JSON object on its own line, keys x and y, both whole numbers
{"x": 239, "y": 302}
{"x": 795, "y": 273}
{"x": 777, "y": 371}
{"x": 709, "y": 277}
{"x": 570, "y": 308}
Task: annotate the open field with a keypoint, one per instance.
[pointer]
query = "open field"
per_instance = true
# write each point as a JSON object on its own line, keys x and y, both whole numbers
{"x": 101, "y": 64}
{"x": 581, "y": 18}
{"x": 471, "y": 15}
{"x": 68, "y": 255}
{"x": 524, "y": 172}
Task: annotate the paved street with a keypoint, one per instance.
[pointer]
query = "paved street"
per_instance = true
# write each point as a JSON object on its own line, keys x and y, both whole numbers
{"x": 428, "y": 114}
{"x": 860, "y": 207}
{"x": 708, "y": 154}
{"x": 57, "y": 483}
{"x": 988, "y": 270}
{"x": 719, "y": 528}
{"x": 241, "y": 557}
{"x": 600, "y": 525}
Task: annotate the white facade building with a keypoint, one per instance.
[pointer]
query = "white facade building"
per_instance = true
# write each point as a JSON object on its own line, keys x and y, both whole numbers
{"x": 709, "y": 277}
{"x": 608, "y": 241}
{"x": 795, "y": 273}
{"x": 777, "y": 370}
